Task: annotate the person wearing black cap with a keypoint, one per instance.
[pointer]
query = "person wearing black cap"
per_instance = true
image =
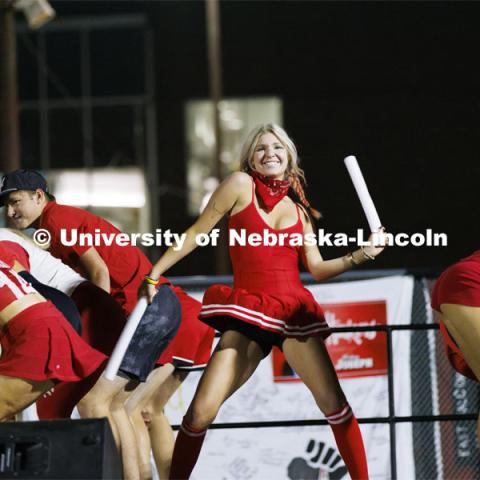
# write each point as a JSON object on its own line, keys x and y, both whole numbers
{"x": 28, "y": 204}
{"x": 29, "y": 180}
{"x": 120, "y": 270}
{"x": 26, "y": 189}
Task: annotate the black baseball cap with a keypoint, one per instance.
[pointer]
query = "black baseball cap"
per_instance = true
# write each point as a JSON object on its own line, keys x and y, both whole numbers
{"x": 22, "y": 180}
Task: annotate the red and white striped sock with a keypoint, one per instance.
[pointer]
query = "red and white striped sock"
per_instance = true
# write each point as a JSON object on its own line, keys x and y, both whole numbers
{"x": 349, "y": 442}
{"x": 187, "y": 449}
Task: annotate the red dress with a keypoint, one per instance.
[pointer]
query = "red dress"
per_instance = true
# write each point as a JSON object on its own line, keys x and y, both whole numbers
{"x": 459, "y": 285}
{"x": 267, "y": 291}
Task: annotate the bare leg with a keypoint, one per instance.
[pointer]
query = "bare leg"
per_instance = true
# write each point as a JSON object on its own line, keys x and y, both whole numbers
{"x": 142, "y": 446}
{"x": 16, "y": 394}
{"x": 126, "y": 430}
{"x": 311, "y": 361}
{"x": 97, "y": 403}
{"x": 134, "y": 406}
{"x": 161, "y": 433}
{"x": 231, "y": 365}
{"x": 463, "y": 324}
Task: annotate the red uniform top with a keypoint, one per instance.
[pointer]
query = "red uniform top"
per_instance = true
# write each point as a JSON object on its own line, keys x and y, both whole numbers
{"x": 13, "y": 251}
{"x": 6, "y": 255}
{"x": 267, "y": 288}
{"x": 460, "y": 285}
{"x": 127, "y": 265}
{"x": 12, "y": 286}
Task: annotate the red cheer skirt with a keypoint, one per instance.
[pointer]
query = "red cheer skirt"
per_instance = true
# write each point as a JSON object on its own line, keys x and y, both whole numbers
{"x": 293, "y": 314}
{"x": 39, "y": 344}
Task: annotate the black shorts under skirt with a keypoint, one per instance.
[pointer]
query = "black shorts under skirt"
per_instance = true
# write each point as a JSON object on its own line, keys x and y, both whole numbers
{"x": 265, "y": 339}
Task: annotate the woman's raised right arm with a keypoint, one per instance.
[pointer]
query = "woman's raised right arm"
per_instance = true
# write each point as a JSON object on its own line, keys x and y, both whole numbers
{"x": 221, "y": 202}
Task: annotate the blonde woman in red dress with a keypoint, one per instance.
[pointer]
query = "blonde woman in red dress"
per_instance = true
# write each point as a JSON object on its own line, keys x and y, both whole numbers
{"x": 268, "y": 305}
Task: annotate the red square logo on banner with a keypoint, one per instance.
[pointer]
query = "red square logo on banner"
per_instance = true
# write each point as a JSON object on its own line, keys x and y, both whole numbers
{"x": 354, "y": 354}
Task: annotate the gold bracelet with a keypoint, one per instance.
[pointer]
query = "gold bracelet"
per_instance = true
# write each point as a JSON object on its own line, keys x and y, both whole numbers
{"x": 366, "y": 255}
{"x": 351, "y": 260}
{"x": 151, "y": 280}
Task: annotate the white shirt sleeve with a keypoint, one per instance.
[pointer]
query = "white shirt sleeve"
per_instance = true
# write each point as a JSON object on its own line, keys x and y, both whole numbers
{"x": 45, "y": 267}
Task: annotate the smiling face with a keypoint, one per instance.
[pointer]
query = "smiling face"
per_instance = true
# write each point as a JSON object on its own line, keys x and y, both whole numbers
{"x": 270, "y": 157}
{"x": 23, "y": 208}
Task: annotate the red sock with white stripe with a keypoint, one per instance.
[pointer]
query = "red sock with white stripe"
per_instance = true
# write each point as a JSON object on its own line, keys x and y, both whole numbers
{"x": 187, "y": 449}
{"x": 349, "y": 442}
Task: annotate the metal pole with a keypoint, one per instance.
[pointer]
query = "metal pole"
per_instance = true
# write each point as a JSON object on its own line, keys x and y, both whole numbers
{"x": 215, "y": 76}
{"x": 87, "y": 127}
{"x": 391, "y": 408}
{"x": 151, "y": 160}
{"x": 43, "y": 105}
{"x": 215, "y": 80}
{"x": 9, "y": 130}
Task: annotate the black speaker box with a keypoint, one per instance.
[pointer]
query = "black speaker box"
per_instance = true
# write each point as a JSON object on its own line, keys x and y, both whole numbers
{"x": 59, "y": 449}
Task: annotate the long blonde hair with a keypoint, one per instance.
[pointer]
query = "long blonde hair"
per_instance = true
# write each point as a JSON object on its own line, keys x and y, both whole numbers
{"x": 293, "y": 173}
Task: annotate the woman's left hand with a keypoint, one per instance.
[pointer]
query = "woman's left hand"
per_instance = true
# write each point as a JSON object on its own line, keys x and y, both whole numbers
{"x": 378, "y": 242}
{"x": 147, "y": 290}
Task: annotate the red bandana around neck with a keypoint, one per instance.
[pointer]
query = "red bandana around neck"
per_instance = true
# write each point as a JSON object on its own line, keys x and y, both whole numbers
{"x": 269, "y": 190}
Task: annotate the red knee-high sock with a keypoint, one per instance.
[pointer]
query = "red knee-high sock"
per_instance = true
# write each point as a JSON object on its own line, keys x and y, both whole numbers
{"x": 187, "y": 449}
{"x": 349, "y": 442}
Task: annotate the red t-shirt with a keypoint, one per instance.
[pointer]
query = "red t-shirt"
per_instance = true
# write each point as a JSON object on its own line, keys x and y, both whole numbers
{"x": 127, "y": 265}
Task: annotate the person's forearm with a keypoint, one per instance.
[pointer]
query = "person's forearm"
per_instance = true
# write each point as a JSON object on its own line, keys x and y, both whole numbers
{"x": 331, "y": 268}
{"x": 172, "y": 256}
{"x": 100, "y": 279}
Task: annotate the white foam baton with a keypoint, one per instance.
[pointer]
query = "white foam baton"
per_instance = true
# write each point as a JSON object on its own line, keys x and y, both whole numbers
{"x": 363, "y": 195}
{"x": 125, "y": 338}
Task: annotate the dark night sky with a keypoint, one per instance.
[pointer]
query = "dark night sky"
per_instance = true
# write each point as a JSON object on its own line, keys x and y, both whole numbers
{"x": 395, "y": 83}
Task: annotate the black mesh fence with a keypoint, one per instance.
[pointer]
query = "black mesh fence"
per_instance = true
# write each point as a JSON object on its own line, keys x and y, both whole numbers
{"x": 443, "y": 437}
{"x": 447, "y": 449}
